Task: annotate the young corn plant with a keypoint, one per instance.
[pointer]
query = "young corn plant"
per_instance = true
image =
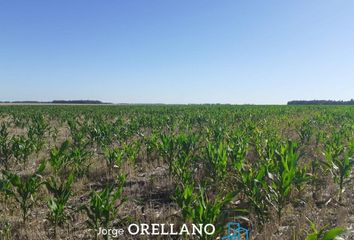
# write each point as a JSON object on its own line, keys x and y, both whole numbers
{"x": 250, "y": 178}
{"x": 22, "y": 148}
{"x": 37, "y": 130}
{"x": 302, "y": 177}
{"x": 217, "y": 159}
{"x": 282, "y": 173}
{"x": 59, "y": 157}
{"x": 320, "y": 136}
{"x": 323, "y": 233}
{"x": 151, "y": 144}
{"x": 266, "y": 146}
{"x": 24, "y": 188}
{"x": 180, "y": 169}
{"x": 114, "y": 159}
{"x": 78, "y": 134}
{"x": 61, "y": 191}
{"x": 195, "y": 201}
{"x": 132, "y": 151}
{"x": 18, "y": 121}
{"x": 167, "y": 147}
{"x": 339, "y": 160}
{"x": 209, "y": 209}
{"x": 237, "y": 151}
{"x": 5, "y": 147}
{"x": 5, "y": 187}
{"x": 184, "y": 197}
{"x": 305, "y": 131}
{"x": 101, "y": 133}
{"x": 182, "y": 159}
{"x": 103, "y": 206}
{"x": 199, "y": 208}
{"x": 251, "y": 182}
{"x": 79, "y": 161}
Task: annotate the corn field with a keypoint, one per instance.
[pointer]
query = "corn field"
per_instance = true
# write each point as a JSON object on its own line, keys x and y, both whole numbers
{"x": 283, "y": 172}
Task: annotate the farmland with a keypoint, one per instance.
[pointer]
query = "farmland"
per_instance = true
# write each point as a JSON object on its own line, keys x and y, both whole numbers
{"x": 283, "y": 172}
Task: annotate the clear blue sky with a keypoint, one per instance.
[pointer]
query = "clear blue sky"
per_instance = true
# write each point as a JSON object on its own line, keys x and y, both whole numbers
{"x": 185, "y": 51}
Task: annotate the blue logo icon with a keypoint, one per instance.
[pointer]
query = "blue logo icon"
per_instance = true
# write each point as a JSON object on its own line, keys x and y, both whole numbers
{"x": 235, "y": 232}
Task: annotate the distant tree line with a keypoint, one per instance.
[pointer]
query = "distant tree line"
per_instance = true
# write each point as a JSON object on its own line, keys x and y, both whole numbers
{"x": 320, "y": 102}
{"x": 59, "y": 102}
{"x": 78, "y": 102}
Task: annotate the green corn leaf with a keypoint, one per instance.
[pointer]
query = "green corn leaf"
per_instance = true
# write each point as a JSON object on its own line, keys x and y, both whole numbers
{"x": 331, "y": 234}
